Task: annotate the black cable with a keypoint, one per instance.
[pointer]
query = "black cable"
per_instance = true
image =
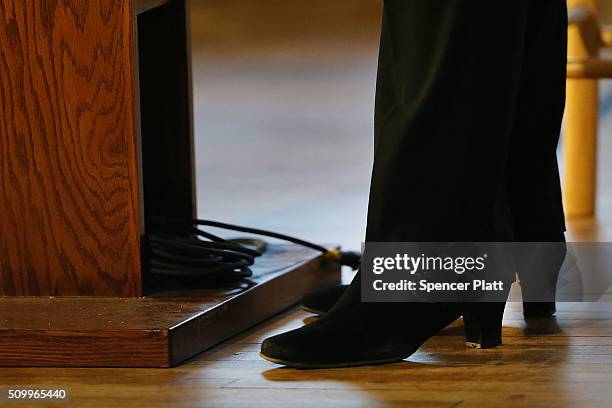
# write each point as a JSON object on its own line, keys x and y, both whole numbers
{"x": 181, "y": 249}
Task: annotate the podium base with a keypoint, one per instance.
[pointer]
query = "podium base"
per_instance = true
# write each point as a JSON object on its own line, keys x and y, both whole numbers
{"x": 161, "y": 330}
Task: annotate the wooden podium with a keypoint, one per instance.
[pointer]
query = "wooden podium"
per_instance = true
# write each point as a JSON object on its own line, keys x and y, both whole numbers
{"x": 96, "y": 136}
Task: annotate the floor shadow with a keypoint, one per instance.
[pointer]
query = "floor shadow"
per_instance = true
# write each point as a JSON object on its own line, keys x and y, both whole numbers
{"x": 543, "y": 326}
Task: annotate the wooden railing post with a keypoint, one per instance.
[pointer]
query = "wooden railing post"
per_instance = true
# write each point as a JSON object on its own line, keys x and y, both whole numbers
{"x": 580, "y": 138}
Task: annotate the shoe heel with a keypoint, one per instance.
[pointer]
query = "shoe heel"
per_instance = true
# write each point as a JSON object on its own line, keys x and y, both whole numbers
{"x": 538, "y": 277}
{"x": 483, "y": 325}
{"x": 539, "y": 310}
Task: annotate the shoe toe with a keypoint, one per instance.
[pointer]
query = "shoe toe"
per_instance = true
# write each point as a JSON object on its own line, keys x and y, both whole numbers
{"x": 271, "y": 349}
{"x": 293, "y": 348}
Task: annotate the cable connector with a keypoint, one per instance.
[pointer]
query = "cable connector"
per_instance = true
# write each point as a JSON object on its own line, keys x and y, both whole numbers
{"x": 346, "y": 258}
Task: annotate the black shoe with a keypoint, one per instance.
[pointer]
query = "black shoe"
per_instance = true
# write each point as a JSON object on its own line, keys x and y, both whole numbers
{"x": 538, "y": 282}
{"x": 538, "y": 276}
{"x": 353, "y": 333}
{"x": 322, "y": 300}
{"x": 539, "y": 310}
{"x": 482, "y": 323}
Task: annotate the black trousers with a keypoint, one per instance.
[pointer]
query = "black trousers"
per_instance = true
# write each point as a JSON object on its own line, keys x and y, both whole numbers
{"x": 470, "y": 98}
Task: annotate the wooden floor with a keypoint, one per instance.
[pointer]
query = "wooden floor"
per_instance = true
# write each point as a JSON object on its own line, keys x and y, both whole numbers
{"x": 266, "y": 94}
{"x": 568, "y": 364}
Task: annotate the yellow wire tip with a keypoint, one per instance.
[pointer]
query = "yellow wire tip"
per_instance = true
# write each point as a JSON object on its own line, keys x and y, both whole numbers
{"x": 333, "y": 254}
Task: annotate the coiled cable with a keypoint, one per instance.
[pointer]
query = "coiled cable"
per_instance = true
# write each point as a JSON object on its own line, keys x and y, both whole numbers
{"x": 183, "y": 249}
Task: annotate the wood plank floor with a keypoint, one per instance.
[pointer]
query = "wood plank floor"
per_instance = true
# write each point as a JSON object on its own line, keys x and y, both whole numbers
{"x": 566, "y": 364}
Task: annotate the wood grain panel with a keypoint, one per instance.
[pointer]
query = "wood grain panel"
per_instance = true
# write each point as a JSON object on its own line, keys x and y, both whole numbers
{"x": 97, "y": 348}
{"x": 69, "y": 209}
{"x": 155, "y": 332}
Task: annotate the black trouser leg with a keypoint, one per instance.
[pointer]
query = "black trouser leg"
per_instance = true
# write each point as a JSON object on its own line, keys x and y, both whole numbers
{"x": 535, "y": 192}
{"x": 452, "y": 76}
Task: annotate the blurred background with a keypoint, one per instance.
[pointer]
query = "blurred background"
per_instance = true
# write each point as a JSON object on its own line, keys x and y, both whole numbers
{"x": 284, "y": 98}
